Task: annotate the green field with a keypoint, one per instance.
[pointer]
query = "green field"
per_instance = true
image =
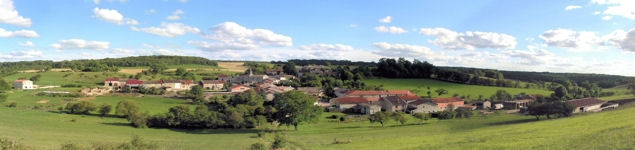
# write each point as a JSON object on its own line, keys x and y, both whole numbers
{"x": 60, "y": 78}
{"x": 419, "y": 86}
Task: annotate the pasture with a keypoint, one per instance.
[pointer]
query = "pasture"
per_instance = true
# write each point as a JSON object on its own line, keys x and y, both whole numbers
{"x": 419, "y": 87}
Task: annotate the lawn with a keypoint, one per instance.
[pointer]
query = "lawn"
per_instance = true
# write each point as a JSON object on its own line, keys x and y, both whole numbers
{"x": 607, "y": 130}
{"x": 61, "y": 78}
{"x": 419, "y": 87}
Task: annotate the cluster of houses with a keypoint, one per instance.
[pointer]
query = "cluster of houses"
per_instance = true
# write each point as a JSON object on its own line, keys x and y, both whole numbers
{"x": 370, "y": 102}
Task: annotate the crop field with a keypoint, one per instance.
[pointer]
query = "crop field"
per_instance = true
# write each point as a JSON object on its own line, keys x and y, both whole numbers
{"x": 419, "y": 86}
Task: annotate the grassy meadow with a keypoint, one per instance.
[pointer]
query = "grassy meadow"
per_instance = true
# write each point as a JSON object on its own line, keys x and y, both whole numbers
{"x": 419, "y": 87}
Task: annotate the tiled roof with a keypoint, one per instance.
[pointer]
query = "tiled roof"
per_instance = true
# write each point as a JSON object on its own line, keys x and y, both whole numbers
{"x": 237, "y": 86}
{"x": 358, "y": 92}
{"x": 446, "y": 100}
{"x": 395, "y": 100}
{"x": 152, "y": 82}
{"x": 134, "y": 81}
{"x": 421, "y": 101}
{"x": 351, "y": 100}
{"x": 585, "y": 102}
{"x": 409, "y": 98}
{"x": 171, "y": 81}
{"x": 400, "y": 92}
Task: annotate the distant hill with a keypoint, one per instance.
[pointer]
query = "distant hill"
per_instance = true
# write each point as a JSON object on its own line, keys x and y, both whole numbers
{"x": 7, "y": 68}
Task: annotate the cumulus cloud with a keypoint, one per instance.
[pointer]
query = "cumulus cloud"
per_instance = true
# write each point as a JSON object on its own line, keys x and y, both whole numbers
{"x": 624, "y": 40}
{"x": 328, "y": 47}
{"x": 574, "y": 40}
{"x": 77, "y": 44}
{"x": 391, "y": 29}
{"x": 9, "y": 15}
{"x": 232, "y": 36}
{"x": 624, "y": 8}
{"x": 26, "y": 44}
{"x": 175, "y": 15}
{"x": 469, "y": 40}
{"x": 19, "y": 33}
{"x": 113, "y": 16}
{"x": 22, "y": 55}
{"x": 572, "y": 7}
{"x": 169, "y": 29}
{"x": 530, "y": 57}
{"x": 386, "y": 19}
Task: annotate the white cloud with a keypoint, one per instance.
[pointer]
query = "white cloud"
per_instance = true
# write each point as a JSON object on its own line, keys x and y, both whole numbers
{"x": 573, "y": 40}
{"x": 97, "y": 1}
{"x": 169, "y": 29}
{"x": 22, "y": 55}
{"x": 391, "y": 29}
{"x": 622, "y": 39}
{"x": 113, "y": 16}
{"x": 76, "y": 44}
{"x": 624, "y": 8}
{"x": 607, "y": 18}
{"x": 232, "y": 36}
{"x": 175, "y": 15}
{"x": 572, "y": 7}
{"x": 9, "y": 15}
{"x": 530, "y": 57}
{"x": 386, "y": 19}
{"x": 26, "y": 44}
{"x": 150, "y": 11}
{"x": 19, "y": 33}
{"x": 328, "y": 47}
{"x": 404, "y": 50}
{"x": 469, "y": 40}
{"x": 352, "y": 25}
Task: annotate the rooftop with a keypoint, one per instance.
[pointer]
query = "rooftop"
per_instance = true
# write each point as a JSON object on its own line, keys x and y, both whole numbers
{"x": 585, "y": 102}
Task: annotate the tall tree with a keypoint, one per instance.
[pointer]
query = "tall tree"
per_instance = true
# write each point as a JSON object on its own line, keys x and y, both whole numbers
{"x": 289, "y": 68}
{"x": 441, "y": 91}
{"x": 560, "y": 92}
{"x": 295, "y": 107}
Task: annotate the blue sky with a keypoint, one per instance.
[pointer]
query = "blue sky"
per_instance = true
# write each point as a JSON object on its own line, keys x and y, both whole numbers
{"x": 583, "y": 36}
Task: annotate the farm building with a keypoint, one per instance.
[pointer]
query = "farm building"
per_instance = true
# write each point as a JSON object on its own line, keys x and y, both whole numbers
{"x": 586, "y": 105}
{"x": 213, "y": 84}
{"x": 24, "y": 84}
{"x": 423, "y": 106}
{"x": 393, "y": 104}
{"x": 238, "y": 88}
{"x": 481, "y": 104}
{"x": 517, "y": 104}
{"x": 443, "y": 103}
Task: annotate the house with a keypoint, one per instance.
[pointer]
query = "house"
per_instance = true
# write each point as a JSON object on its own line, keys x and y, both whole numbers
{"x": 481, "y": 104}
{"x": 171, "y": 84}
{"x": 517, "y": 104}
{"x": 187, "y": 84}
{"x": 213, "y": 84}
{"x": 315, "y": 91}
{"x": 153, "y": 84}
{"x": 113, "y": 82}
{"x": 238, "y": 88}
{"x": 24, "y": 84}
{"x": 377, "y": 94}
{"x": 410, "y": 98}
{"x": 368, "y": 108}
{"x": 586, "y": 104}
{"x": 348, "y": 102}
{"x": 422, "y": 106}
{"x": 134, "y": 83}
{"x": 393, "y": 104}
{"x": 444, "y": 103}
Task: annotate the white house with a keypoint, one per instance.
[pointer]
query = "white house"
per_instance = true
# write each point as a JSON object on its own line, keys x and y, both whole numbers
{"x": 23, "y": 84}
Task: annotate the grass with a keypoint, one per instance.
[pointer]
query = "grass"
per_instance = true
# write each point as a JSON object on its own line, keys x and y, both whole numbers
{"x": 621, "y": 92}
{"x": 419, "y": 87}
{"x": 607, "y": 130}
{"x": 61, "y": 78}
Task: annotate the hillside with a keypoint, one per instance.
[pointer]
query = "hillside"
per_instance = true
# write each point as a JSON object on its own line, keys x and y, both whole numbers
{"x": 419, "y": 86}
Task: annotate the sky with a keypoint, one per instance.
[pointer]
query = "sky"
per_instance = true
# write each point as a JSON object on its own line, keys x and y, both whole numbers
{"x": 576, "y": 36}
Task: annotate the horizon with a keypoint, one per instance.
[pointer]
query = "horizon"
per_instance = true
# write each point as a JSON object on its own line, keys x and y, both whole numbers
{"x": 590, "y": 36}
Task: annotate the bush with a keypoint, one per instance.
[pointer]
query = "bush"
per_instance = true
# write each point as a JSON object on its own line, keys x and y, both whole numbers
{"x": 258, "y": 146}
{"x": 12, "y": 104}
{"x": 82, "y": 107}
{"x": 104, "y": 109}
{"x": 279, "y": 141}
{"x": 9, "y": 144}
{"x": 71, "y": 146}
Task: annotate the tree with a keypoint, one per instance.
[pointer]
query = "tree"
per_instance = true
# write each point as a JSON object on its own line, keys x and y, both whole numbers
{"x": 441, "y": 91}
{"x": 126, "y": 108}
{"x": 158, "y": 68}
{"x": 82, "y": 107}
{"x": 180, "y": 71}
{"x": 399, "y": 117}
{"x": 560, "y": 92}
{"x": 382, "y": 117}
{"x": 36, "y": 78}
{"x": 501, "y": 95}
{"x": 295, "y": 107}
{"x": 196, "y": 92}
{"x": 104, "y": 109}
{"x": 289, "y": 68}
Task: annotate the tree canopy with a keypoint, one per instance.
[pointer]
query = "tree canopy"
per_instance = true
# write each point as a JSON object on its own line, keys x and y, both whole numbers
{"x": 295, "y": 107}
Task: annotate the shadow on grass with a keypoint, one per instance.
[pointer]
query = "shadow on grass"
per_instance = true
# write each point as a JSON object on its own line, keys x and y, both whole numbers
{"x": 217, "y": 131}
{"x": 118, "y": 124}
{"x": 513, "y": 122}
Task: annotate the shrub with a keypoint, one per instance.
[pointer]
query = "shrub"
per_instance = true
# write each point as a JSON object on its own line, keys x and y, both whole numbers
{"x": 104, "y": 109}
{"x": 279, "y": 141}
{"x": 258, "y": 146}
{"x": 126, "y": 108}
{"x": 71, "y": 146}
{"x": 9, "y": 144}
{"x": 82, "y": 107}
{"x": 12, "y": 104}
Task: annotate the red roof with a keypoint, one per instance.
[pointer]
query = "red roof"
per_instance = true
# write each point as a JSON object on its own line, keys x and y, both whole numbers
{"x": 112, "y": 79}
{"x": 237, "y": 86}
{"x": 585, "y": 102}
{"x": 400, "y": 92}
{"x": 213, "y": 82}
{"x": 357, "y": 92}
{"x": 409, "y": 98}
{"x": 446, "y": 100}
{"x": 134, "y": 81}
{"x": 351, "y": 100}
